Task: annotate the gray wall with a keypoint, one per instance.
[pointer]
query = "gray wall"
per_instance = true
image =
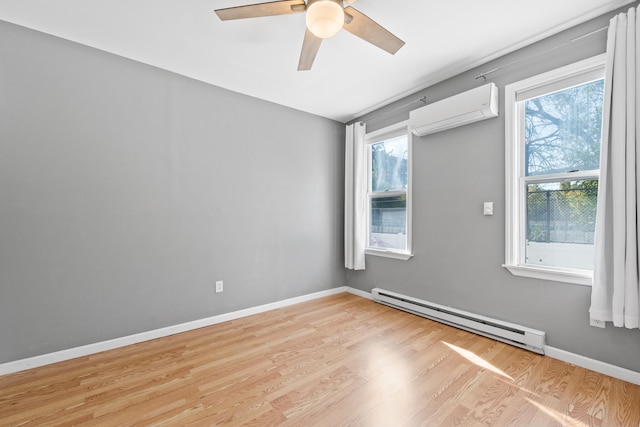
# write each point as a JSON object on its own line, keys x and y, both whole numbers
{"x": 458, "y": 251}
{"x": 126, "y": 191}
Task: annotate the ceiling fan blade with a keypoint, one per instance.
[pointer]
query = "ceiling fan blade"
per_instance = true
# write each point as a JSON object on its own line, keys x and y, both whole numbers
{"x": 310, "y": 47}
{"x": 359, "y": 24}
{"x": 283, "y": 7}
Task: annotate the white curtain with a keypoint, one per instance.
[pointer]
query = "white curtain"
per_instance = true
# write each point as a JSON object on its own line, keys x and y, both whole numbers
{"x": 355, "y": 192}
{"x": 615, "y": 295}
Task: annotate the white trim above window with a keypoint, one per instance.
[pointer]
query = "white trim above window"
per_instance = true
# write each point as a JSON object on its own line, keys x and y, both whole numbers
{"x": 515, "y": 180}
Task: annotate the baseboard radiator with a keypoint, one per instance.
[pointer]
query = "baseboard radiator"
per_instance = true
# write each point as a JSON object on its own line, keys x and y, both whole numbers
{"x": 519, "y": 336}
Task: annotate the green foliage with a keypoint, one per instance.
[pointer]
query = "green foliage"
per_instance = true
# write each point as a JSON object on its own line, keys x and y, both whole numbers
{"x": 581, "y": 202}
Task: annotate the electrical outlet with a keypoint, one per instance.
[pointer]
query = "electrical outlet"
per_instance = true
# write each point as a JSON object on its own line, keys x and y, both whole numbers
{"x": 597, "y": 323}
{"x": 219, "y": 286}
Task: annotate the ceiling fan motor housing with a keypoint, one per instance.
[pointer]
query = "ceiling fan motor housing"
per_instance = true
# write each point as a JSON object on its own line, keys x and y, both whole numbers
{"x": 325, "y": 18}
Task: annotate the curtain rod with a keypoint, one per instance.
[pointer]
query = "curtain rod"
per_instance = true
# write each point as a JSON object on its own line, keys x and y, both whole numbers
{"x": 422, "y": 99}
{"x": 484, "y": 75}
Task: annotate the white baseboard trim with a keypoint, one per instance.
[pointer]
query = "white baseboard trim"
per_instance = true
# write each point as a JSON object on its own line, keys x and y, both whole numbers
{"x": 86, "y": 350}
{"x": 594, "y": 365}
{"x": 358, "y": 292}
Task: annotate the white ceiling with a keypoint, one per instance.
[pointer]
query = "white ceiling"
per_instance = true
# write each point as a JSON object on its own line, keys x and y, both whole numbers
{"x": 259, "y": 57}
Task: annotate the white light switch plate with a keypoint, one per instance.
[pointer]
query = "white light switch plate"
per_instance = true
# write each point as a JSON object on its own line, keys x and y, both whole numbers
{"x": 488, "y": 208}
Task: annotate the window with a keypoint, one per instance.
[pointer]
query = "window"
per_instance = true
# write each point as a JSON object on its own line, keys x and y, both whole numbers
{"x": 388, "y": 192}
{"x": 553, "y": 136}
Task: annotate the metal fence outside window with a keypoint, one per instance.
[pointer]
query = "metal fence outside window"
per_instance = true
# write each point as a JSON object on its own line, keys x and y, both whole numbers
{"x": 389, "y": 220}
{"x": 561, "y": 216}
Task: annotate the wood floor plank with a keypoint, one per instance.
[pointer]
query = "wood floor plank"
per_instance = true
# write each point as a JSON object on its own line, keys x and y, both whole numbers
{"x": 341, "y": 360}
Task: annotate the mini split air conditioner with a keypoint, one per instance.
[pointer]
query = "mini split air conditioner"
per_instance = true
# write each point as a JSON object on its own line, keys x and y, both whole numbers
{"x": 474, "y": 105}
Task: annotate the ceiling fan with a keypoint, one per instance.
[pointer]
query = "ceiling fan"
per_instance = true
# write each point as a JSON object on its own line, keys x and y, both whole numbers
{"x": 324, "y": 19}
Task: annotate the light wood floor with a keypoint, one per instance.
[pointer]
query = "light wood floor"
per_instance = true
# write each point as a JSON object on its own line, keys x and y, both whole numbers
{"x": 339, "y": 360}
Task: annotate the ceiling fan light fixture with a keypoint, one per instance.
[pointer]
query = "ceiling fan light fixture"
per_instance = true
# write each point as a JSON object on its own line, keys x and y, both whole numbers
{"x": 325, "y": 18}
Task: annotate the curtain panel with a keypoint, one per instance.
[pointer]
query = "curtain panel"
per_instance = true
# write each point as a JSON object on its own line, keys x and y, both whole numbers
{"x": 615, "y": 292}
{"x": 355, "y": 192}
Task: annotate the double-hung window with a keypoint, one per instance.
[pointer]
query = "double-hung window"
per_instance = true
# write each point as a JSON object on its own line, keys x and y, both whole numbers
{"x": 388, "y": 192}
{"x": 553, "y": 136}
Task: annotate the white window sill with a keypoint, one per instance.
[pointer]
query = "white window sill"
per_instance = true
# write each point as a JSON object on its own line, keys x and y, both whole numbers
{"x": 388, "y": 253}
{"x": 577, "y": 277}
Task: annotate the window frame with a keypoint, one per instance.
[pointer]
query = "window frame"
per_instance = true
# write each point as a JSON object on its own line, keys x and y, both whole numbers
{"x": 380, "y": 135}
{"x": 515, "y": 180}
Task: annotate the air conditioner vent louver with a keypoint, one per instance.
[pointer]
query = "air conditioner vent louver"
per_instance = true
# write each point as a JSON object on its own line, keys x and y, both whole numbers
{"x": 471, "y": 106}
{"x": 509, "y": 333}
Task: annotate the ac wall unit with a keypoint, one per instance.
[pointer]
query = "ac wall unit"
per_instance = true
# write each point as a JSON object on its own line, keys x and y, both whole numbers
{"x": 509, "y": 333}
{"x": 471, "y": 106}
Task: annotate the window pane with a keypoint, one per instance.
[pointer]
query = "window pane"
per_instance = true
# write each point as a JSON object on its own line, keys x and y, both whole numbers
{"x": 389, "y": 164}
{"x": 561, "y": 224}
{"x": 389, "y": 222}
{"x": 563, "y": 130}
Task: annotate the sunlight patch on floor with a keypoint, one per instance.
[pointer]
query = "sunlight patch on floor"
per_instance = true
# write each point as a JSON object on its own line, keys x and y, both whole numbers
{"x": 381, "y": 359}
{"x": 477, "y": 360}
{"x": 389, "y": 385}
